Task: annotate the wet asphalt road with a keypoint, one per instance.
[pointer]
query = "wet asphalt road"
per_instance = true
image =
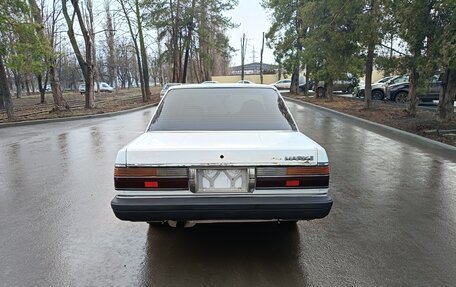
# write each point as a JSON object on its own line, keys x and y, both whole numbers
{"x": 393, "y": 222}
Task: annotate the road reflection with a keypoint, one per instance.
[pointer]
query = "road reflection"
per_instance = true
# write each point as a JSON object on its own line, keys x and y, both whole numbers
{"x": 259, "y": 254}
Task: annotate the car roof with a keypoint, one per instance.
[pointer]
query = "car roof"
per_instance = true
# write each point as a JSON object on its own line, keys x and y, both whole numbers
{"x": 222, "y": 86}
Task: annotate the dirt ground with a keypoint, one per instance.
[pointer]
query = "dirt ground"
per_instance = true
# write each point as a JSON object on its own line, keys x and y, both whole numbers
{"x": 29, "y": 107}
{"x": 424, "y": 124}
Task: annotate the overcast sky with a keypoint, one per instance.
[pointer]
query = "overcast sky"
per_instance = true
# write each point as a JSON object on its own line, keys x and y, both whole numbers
{"x": 253, "y": 20}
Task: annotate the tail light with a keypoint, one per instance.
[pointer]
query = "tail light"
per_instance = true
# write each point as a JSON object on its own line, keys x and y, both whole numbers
{"x": 150, "y": 178}
{"x": 292, "y": 177}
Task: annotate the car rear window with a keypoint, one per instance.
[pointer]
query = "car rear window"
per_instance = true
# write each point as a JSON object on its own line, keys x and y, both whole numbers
{"x": 223, "y": 109}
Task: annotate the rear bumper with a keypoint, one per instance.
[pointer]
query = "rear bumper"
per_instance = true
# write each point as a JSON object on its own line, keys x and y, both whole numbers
{"x": 222, "y": 208}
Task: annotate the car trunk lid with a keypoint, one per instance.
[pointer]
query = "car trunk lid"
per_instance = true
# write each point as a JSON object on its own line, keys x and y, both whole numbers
{"x": 222, "y": 149}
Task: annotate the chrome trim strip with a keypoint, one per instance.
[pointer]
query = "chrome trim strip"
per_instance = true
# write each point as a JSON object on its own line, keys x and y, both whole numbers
{"x": 187, "y": 193}
{"x": 225, "y": 195}
{"x": 228, "y": 165}
{"x": 192, "y": 179}
{"x": 252, "y": 179}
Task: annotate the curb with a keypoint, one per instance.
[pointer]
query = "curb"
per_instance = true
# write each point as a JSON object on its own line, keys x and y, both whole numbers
{"x": 380, "y": 127}
{"x": 65, "y": 119}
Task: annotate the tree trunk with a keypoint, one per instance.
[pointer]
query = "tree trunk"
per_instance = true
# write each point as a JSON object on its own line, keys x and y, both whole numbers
{"x": 41, "y": 88}
{"x": 280, "y": 70}
{"x": 447, "y": 96}
{"x": 27, "y": 86}
{"x": 2, "y": 105}
{"x": 5, "y": 91}
{"x": 138, "y": 54}
{"x": 294, "y": 87}
{"x": 59, "y": 102}
{"x": 190, "y": 27}
{"x": 72, "y": 38}
{"x": 261, "y": 60}
{"x": 17, "y": 82}
{"x": 243, "y": 50}
{"x": 175, "y": 42}
{"x": 372, "y": 25}
{"x": 195, "y": 70}
{"x": 87, "y": 64}
{"x": 368, "y": 79}
{"x": 329, "y": 89}
{"x": 110, "y": 40}
{"x": 412, "y": 99}
{"x": 145, "y": 64}
{"x": 187, "y": 55}
{"x": 33, "y": 85}
{"x": 307, "y": 85}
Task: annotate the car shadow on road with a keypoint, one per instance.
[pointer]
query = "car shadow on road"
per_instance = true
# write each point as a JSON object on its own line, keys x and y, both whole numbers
{"x": 252, "y": 254}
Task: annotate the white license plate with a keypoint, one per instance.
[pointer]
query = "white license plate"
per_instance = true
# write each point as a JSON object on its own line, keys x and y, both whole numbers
{"x": 221, "y": 180}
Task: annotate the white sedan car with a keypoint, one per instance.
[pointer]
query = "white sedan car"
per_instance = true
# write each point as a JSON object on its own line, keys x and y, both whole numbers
{"x": 104, "y": 87}
{"x": 221, "y": 152}
{"x": 284, "y": 84}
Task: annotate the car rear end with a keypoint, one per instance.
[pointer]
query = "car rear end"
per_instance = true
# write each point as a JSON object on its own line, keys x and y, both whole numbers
{"x": 224, "y": 174}
{"x": 222, "y": 193}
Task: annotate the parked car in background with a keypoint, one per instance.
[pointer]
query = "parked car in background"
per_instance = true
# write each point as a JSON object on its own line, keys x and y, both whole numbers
{"x": 166, "y": 87}
{"x": 360, "y": 87}
{"x": 283, "y": 84}
{"x": 104, "y": 87}
{"x": 210, "y": 82}
{"x": 378, "y": 88}
{"x": 82, "y": 88}
{"x": 346, "y": 85}
{"x": 397, "y": 80}
{"x": 302, "y": 87}
{"x": 225, "y": 152}
{"x": 392, "y": 82}
{"x": 245, "y": 82}
{"x": 399, "y": 92}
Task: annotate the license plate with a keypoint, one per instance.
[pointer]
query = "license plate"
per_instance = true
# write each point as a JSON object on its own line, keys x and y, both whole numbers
{"x": 222, "y": 180}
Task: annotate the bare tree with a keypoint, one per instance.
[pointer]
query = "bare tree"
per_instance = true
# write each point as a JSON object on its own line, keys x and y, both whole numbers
{"x": 261, "y": 60}
{"x": 145, "y": 64}
{"x": 87, "y": 63}
{"x": 110, "y": 35}
{"x": 243, "y": 51}
{"x": 134, "y": 38}
{"x": 175, "y": 40}
{"x": 190, "y": 27}
{"x": 59, "y": 102}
